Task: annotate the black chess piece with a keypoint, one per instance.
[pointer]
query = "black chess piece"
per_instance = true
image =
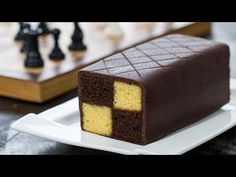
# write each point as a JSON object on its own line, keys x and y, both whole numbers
{"x": 20, "y": 36}
{"x": 33, "y": 58}
{"x": 43, "y": 26}
{"x": 25, "y": 46}
{"x": 56, "y": 53}
{"x": 77, "y": 39}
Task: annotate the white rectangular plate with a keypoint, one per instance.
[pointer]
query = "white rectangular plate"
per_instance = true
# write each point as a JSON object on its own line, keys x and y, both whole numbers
{"x": 62, "y": 124}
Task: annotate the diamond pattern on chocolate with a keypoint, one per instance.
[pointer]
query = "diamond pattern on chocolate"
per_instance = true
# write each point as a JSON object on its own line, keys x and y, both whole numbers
{"x": 146, "y": 46}
{"x": 116, "y": 63}
{"x": 146, "y": 65}
{"x": 118, "y": 70}
{"x": 154, "y": 52}
{"x": 139, "y": 60}
{"x": 176, "y": 50}
{"x": 185, "y": 55}
{"x": 163, "y": 57}
{"x": 129, "y": 75}
{"x": 156, "y": 55}
{"x": 133, "y": 54}
{"x": 168, "y": 44}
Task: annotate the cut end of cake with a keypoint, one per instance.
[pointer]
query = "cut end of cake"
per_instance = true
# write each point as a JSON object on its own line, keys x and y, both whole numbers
{"x": 111, "y": 107}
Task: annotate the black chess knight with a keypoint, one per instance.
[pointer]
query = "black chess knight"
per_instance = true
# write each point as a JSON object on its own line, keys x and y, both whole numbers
{"x": 77, "y": 44}
{"x": 56, "y": 53}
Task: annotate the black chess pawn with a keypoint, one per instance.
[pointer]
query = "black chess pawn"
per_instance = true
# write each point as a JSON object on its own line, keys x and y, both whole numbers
{"x": 20, "y": 36}
{"x": 25, "y": 46}
{"x": 77, "y": 44}
{"x": 43, "y": 26}
{"x": 33, "y": 59}
{"x": 56, "y": 53}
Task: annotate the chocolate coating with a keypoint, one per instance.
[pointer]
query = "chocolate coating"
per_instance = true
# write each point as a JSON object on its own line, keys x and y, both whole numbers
{"x": 183, "y": 79}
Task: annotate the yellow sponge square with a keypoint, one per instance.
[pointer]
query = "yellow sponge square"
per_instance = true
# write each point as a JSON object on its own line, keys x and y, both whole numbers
{"x": 97, "y": 119}
{"x": 127, "y": 96}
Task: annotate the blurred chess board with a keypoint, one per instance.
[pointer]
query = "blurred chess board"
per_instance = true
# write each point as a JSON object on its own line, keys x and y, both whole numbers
{"x": 58, "y": 78}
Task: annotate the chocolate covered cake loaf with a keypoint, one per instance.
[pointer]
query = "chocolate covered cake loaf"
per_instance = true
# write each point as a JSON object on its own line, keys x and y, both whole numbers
{"x": 148, "y": 91}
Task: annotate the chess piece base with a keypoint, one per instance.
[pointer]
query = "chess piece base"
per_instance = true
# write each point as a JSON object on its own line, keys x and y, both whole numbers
{"x": 78, "y": 54}
{"x": 34, "y": 70}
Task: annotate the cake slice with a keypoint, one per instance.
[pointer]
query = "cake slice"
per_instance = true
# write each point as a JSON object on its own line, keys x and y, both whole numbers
{"x": 148, "y": 91}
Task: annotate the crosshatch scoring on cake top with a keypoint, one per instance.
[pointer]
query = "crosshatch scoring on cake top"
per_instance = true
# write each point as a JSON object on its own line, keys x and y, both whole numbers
{"x": 156, "y": 54}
